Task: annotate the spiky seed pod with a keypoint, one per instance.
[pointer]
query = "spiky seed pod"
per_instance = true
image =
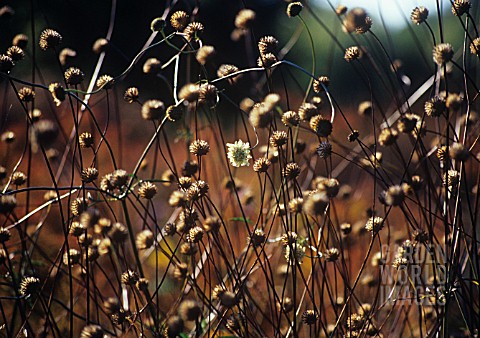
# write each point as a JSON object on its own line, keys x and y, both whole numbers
{"x": 5, "y": 235}
{"x": 267, "y": 44}
{"x": 19, "y": 178}
{"x": 100, "y": 45}
{"x": 435, "y": 106}
{"x": 6, "y": 63}
{"x": 291, "y": 171}
{"x": 459, "y": 152}
{"x": 147, "y": 190}
{"x": 442, "y": 53}
{"x": 74, "y": 76}
{"x": 475, "y": 47}
{"x": 294, "y": 9}
{"x": 261, "y": 165}
{"x": 295, "y": 205}
{"x": 226, "y": 70}
{"x": 78, "y": 206}
{"x": 205, "y": 54}
{"x": 195, "y": 234}
{"x": 374, "y": 224}
{"x": 208, "y": 94}
{"x": 352, "y": 53}
{"x": 291, "y": 118}
{"x": 199, "y": 147}
{"x": 257, "y": 238}
{"x": 89, "y": 174}
{"x": 357, "y": 21}
{"x": 278, "y": 138}
{"x": 170, "y": 229}
{"x": 152, "y": 66}
{"x": 193, "y": 29}
{"x": 321, "y": 126}
{"x": 306, "y": 111}
{"x": 324, "y": 150}
{"x": 266, "y": 60}
{"x": 408, "y": 123}
{"x": 92, "y": 331}
{"x": 309, "y": 317}
{"x": 332, "y": 254}
{"x": 317, "y": 84}
{"x": 58, "y": 92}
{"x": 29, "y": 286}
{"x": 49, "y": 39}
{"x": 131, "y": 94}
{"x": 66, "y": 55}
{"x": 419, "y": 15}
{"x": 118, "y": 233}
{"x": 451, "y": 178}
{"x": 77, "y": 229}
{"x": 153, "y": 110}
{"x": 105, "y": 82}
{"x": 387, "y": 137}
{"x": 145, "y": 239}
{"x": 244, "y": 19}
{"x": 394, "y": 196}
{"x": 16, "y": 53}
{"x": 26, "y": 94}
{"x": 179, "y": 20}
{"x": 20, "y": 40}
{"x": 130, "y": 277}
{"x": 461, "y": 7}
{"x": 184, "y": 182}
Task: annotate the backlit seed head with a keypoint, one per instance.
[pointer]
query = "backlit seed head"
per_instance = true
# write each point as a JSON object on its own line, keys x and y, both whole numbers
{"x": 266, "y": 60}
{"x": 295, "y": 253}
{"x": 317, "y": 84}
{"x": 118, "y": 233}
{"x": 365, "y": 108}
{"x": 451, "y": 178}
{"x": 316, "y": 203}
{"x": 49, "y": 39}
{"x": 66, "y": 55}
{"x": 20, "y": 40}
{"x": 261, "y": 115}
{"x": 257, "y": 238}
{"x": 147, "y": 190}
{"x": 475, "y": 47}
{"x": 89, "y": 174}
{"x": 346, "y": 228}
{"x": 295, "y": 205}
{"x": 188, "y": 249}
{"x": 78, "y": 205}
{"x": 357, "y": 20}
{"x": 5, "y": 235}
{"x": 112, "y": 305}
{"x": 179, "y": 20}
{"x": 85, "y": 140}
{"x": 189, "y": 310}
{"x": 244, "y": 19}
{"x": 197, "y": 190}
{"x": 19, "y": 178}
{"x": 58, "y": 92}
{"x": 324, "y": 150}
{"x": 152, "y": 66}
{"x": 178, "y": 199}
{"x": 321, "y": 126}
{"x": 6, "y": 63}
{"x": 105, "y": 82}
{"x": 289, "y": 238}
{"x": 29, "y": 286}
{"x": 227, "y": 69}
{"x": 131, "y": 94}
{"x": 208, "y": 94}
{"x": 435, "y": 106}
{"x": 145, "y": 239}
{"x": 267, "y": 44}
{"x": 153, "y": 110}
{"x": 77, "y": 229}
{"x": 461, "y": 7}
{"x": 130, "y": 277}
{"x": 212, "y": 224}
{"x": 205, "y": 54}
{"x": 72, "y": 257}
{"x": 291, "y": 171}
{"x": 26, "y": 94}
{"x": 291, "y": 118}
{"x": 8, "y": 137}
{"x": 374, "y": 224}
{"x": 294, "y": 9}
{"x": 189, "y": 168}
{"x": 394, "y": 196}
{"x": 7, "y": 204}
{"x": 195, "y": 234}
{"x": 261, "y": 165}
{"x": 103, "y": 226}
{"x": 459, "y": 152}
{"x": 419, "y": 15}
{"x": 16, "y": 53}
{"x": 332, "y": 254}
{"x": 92, "y": 331}
{"x": 408, "y": 122}
{"x": 307, "y": 110}
{"x": 442, "y": 53}
{"x": 199, "y": 147}
{"x": 278, "y": 138}
{"x": 352, "y": 53}
{"x": 189, "y": 92}
{"x": 453, "y": 101}
{"x": 193, "y": 29}
{"x": 387, "y": 137}
{"x": 330, "y": 186}
{"x": 74, "y": 76}
{"x": 170, "y": 229}
{"x": 100, "y": 45}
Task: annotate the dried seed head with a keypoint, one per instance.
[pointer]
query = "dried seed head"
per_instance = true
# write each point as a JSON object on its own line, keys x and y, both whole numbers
{"x": 226, "y": 70}
{"x": 174, "y": 327}
{"x": 130, "y": 277}
{"x": 19, "y": 178}
{"x": 74, "y": 76}
{"x": 8, "y": 137}
{"x": 435, "y": 106}
{"x": 346, "y": 228}
{"x": 144, "y": 239}
{"x": 188, "y": 249}
{"x": 29, "y": 286}
{"x": 330, "y": 186}
{"x": 72, "y": 257}
{"x": 212, "y": 224}
{"x": 20, "y": 40}
{"x": 295, "y": 253}
{"x": 193, "y": 29}
{"x": 152, "y": 66}
{"x": 352, "y": 53}
{"x": 374, "y": 224}
{"x": 278, "y": 138}
{"x": 205, "y": 54}
{"x": 332, "y": 254}
{"x": 244, "y": 19}
{"x": 78, "y": 206}
{"x": 189, "y": 310}
{"x": 408, "y": 123}
{"x": 286, "y": 305}
{"x": 261, "y": 165}
{"x": 387, "y": 137}
{"x": 475, "y": 47}
{"x": 187, "y": 220}
{"x": 266, "y": 60}
{"x": 46, "y": 132}
{"x": 16, "y": 53}
{"x": 92, "y": 331}
{"x": 170, "y": 229}
{"x": 66, "y": 55}
{"x": 7, "y": 204}
{"x": 316, "y": 203}
{"x": 197, "y": 190}
{"x": 459, "y": 152}
{"x": 257, "y": 238}
{"x": 85, "y": 140}
{"x": 189, "y": 168}
{"x": 153, "y": 110}
{"x": 195, "y": 234}
{"x": 324, "y": 150}
{"x": 26, "y": 94}
{"x": 294, "y": 9}
{"x": 89, "y": 174}
{"x": 453, "y": 101}
{"x": 147, "y": 190}
{"x": 321, "y": 126}
{"x": 295, "y": 205}
{"x": 112, "y": 305}
{"x": 307, "y": 110}
{"x": 5, "y": 235}
{"x": 394, "y": 196}
{"x": 100, "y": 45}
{"x": 105, "y": 82}
{"x": 267, "y": 44}
{"x": 104, "y": 247}
{"x": 77, "y": 229}
{"x": 365, "y": 108}
{"x": 179, "y": 20}
{"x": 189, "y": 92}
{"x": 461, "y": 7}
{"x": 261, "y": 115}
{"x": 208, "y": 94}
{"x": 291, "y": 171}
{"x": 199, "y": 147}
{"x": 58, "y": 93}
{"x": 181, "y": 271}
{"x": 357, "y": 21}
{"x": 118, "y": 233}
{"x": 131, "y": 94}
{"x": 419, "y": 15}
{"x": 291, "y": 118}
{"x": 6, "y": 63}
{"x": 442, "y": 53}
{"x": 49, "y": 39}
{"x": 320, "y": 84}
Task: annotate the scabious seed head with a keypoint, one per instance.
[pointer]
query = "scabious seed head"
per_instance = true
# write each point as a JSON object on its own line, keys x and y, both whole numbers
{"x": 324, "y": 150}
{"x": 105, "y": 82}
{"x": 374, "y": 224}
{"x": 152, "y": 66}
{"x": 100, "y": 45}
{"x": 357, "y": 21}
{"x": 145, "y": 239}
{"x": 279, "y": 138}
{"x": 295, "y": 253}
{"x": 459, "y": 152}
{"x": 266, "y": 60}
{"x": 6, "y": 63}
{"x": 208, "y": 94}
{"x": 307, "y": 110}
{"x": 89, "y": 174}
{"x": 294, "y": 9}
{"x": 189, "y": 92}
{"x": 332, "y": 254}
{"x": 189, "y": 310}
{"x": 66, "y": 55}
{"x": 131, "y": 94}
{"x": 475, "y": 47}
{"x": 179, "y": 20}
{"x": 74, "y": 76}
{"x": 16, "y": 53}
{"x": 419, "y": 15}
{"x": 147, "y": 190}
{"x": 5, "y": 235}
{"x": 316, "y": 203}
{"x": 387, "y": 137}
{"x": 153, "y": 110}
{"x": 352, "y": 53}
{"x": 442, "y": 53}
{"x": 205, "y": 54}
{"x": 291, "y": 171}
{"x": 58, "y": 93}
{"x": 321, "y": 126}
{"x": 29, "y": 286}
{"x": 49, "y": 39}
{"x": 19, "y": 178}
{"x": 435, "y": 106}
{"x": 7, "y": 204}
{"x": 92, "y": 331}
{"x": 199, "y": 147}
{"x": 193, "y": 29}
{"x": 26, "y": 94}
{"x": 394, "y": 196}
{"x": 244, "y": 19}
{"x": 262, "y": 165}
{"x": 320, "y": 84}
{"x": 461, "y": 7}
{"x": 267, "y": 44}
{"x": 20, "y": 40}
{"x": 291, "y": 118}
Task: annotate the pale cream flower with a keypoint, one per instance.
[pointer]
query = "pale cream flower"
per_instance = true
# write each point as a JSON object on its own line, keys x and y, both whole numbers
{"x": 239, "y": 153}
